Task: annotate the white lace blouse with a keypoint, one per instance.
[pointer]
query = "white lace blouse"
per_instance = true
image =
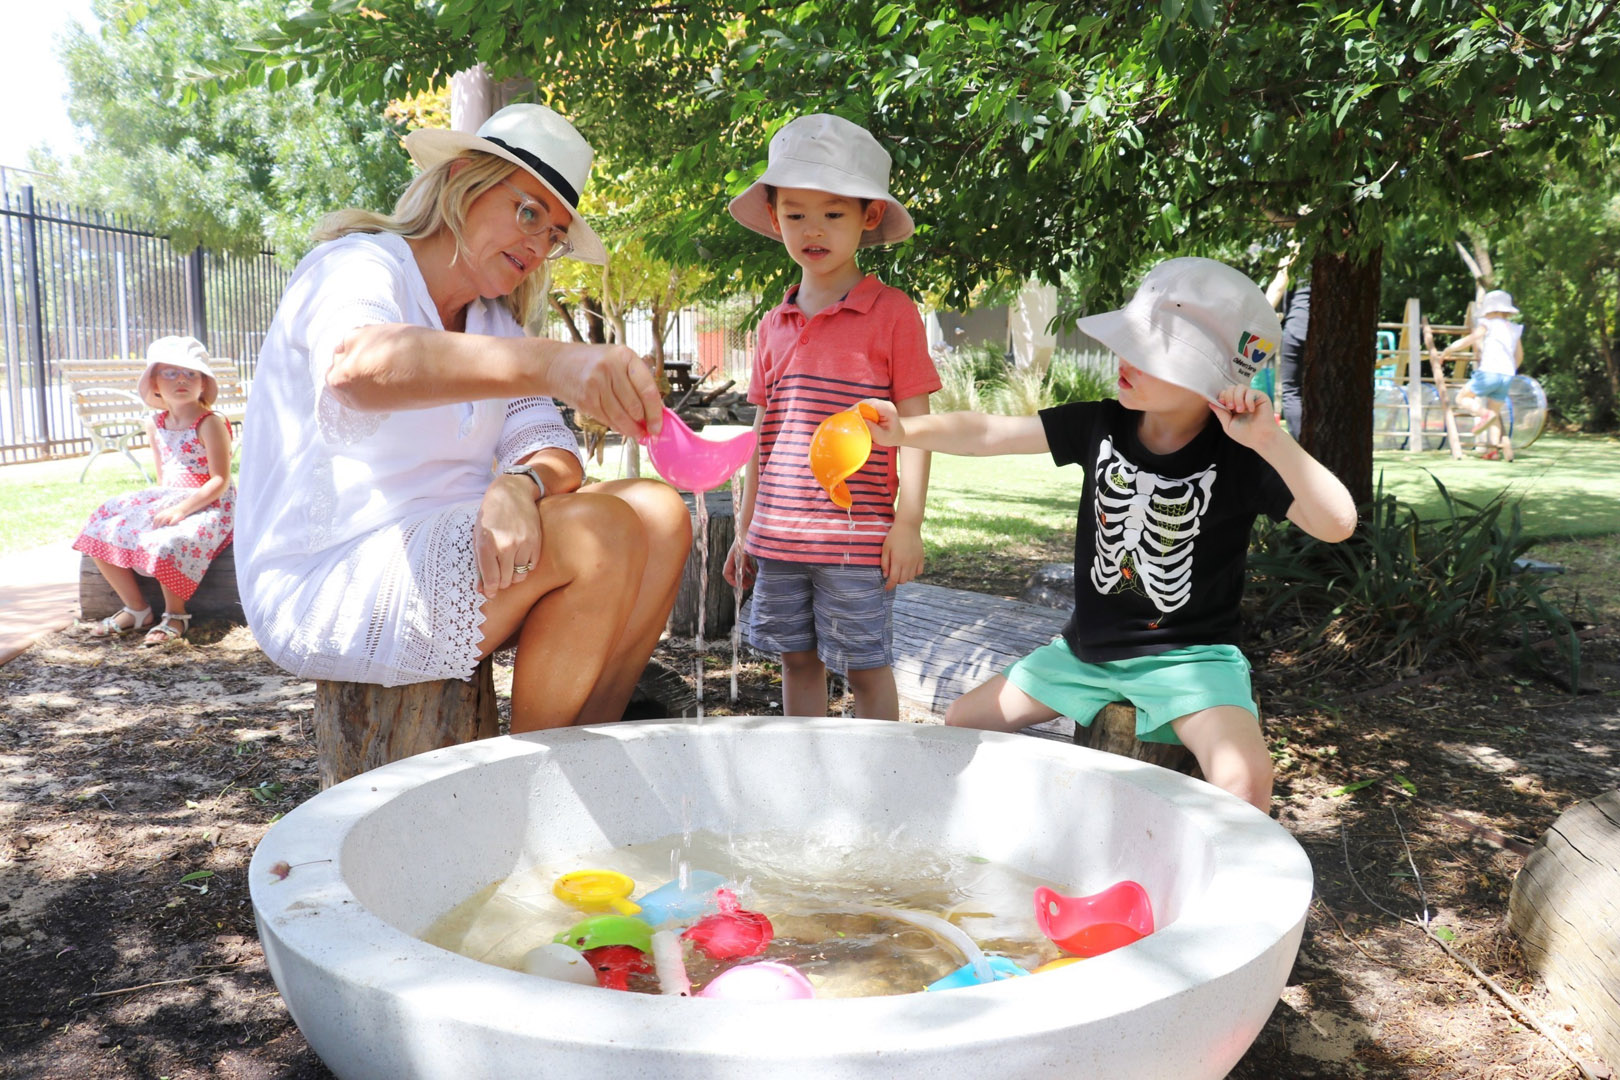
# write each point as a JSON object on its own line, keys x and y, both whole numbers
{"x": 354, "y": 529}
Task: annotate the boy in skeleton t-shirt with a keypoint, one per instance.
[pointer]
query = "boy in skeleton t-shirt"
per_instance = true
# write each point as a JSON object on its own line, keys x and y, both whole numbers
{"x": 1176, "y": 471}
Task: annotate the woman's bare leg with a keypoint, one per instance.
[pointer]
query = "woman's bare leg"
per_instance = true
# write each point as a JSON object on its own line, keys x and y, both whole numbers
{"x": 668, "y": 531}
{"x": 569, "y": 613}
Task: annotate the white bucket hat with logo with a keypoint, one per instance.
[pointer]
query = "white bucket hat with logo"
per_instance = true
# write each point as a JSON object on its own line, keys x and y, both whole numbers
{"x": 1497, "y": 300}
{"x": 533, "y": 138}
{"x": 1194, "y": 322}
{"x": 177, "y": 352}
{"x": 827, "y": 153}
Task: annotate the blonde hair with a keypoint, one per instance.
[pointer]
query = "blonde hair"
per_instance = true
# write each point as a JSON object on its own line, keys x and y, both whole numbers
{"x": 438, "y": 198}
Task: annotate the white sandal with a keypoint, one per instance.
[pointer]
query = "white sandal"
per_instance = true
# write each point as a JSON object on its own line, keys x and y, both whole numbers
{"x": 111, "y": 627}
{"x": 164, "y": 632}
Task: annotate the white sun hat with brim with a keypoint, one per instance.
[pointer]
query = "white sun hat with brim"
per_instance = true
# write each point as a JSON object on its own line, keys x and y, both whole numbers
{"x": 533, "y": 138}
{"x": 827, "y": 153}
{"x": 1497, "y": 300}
{"x": 1196, "y": 323}
{"x": 177, "y": 352}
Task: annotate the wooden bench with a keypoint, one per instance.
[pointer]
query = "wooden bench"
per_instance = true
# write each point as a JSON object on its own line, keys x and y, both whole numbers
{"x": 216, "y": 596}
{"x": 113, "y": 414}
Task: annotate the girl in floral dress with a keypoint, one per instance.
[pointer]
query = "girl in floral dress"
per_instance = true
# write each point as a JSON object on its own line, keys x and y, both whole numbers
{"x": 172, "y": 531}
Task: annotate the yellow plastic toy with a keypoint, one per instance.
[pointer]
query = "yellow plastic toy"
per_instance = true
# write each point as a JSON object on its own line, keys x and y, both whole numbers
{"x": 840, "y": 446}
{"x": 1060, "y": 962}
{"x": 596, "y": 890}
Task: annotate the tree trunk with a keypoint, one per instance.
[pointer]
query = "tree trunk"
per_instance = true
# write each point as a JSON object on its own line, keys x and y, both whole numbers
{"x": 1336, "y": 371}
{"x": 359, "y": 726}
{"x": 568, "y": 317}
{"x": 595, "y": 324}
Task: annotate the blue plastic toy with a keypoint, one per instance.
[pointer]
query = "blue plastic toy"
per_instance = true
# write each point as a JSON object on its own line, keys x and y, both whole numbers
{"x": 669, "y": 903}
{"x": 1000, "y": 966}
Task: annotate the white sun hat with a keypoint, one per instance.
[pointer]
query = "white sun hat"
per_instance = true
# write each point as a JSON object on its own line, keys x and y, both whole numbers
{"x": 1497, "y": 300}
{"x": 533, "y": 138}
{"x": 1197, "y": 323}
{"x": 177, "y": 352}
{"x": 827, "y": 153}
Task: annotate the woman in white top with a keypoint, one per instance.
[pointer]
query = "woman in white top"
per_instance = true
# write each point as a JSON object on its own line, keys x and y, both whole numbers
{"x": 1500, "y": 352}
{"x": 411, "y": 499}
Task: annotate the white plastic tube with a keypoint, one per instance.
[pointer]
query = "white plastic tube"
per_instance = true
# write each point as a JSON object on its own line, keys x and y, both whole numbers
{"x": 670, "y": 964}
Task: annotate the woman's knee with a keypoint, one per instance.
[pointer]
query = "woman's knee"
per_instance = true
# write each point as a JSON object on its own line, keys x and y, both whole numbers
{"x": 585, "y": 530}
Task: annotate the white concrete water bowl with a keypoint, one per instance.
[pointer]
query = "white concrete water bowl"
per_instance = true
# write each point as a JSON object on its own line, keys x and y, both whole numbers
{"x": 373, "y": 862}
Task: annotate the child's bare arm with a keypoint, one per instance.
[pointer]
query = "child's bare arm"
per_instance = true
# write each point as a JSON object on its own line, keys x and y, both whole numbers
{"x": 903, "y": 547}
{"x": 968, "y": 434}
{"x": 739, "y": 566}
{"x": 157, "y": 455}
{"x": 1322, "y": 505}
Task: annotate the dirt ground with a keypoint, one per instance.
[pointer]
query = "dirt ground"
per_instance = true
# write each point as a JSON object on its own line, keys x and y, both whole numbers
{"x": 135, "y": 784}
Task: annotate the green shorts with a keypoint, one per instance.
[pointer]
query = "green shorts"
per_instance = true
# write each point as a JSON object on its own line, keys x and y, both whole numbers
{"x": 1164, "y": 686}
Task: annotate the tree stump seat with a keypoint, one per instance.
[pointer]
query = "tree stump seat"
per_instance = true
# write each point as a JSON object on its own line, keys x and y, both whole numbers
{"x": 359, "y": 726}
{"x": 1113, "y": 730}
{"x": 1565, "y": 911}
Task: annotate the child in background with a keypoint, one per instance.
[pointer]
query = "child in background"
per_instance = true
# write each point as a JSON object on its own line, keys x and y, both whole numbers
{"x": 1177, "y": 470}
{"x": 173, "y": 531}
{"x": 1500, "y": 346}
{"x": 824, "y": 579}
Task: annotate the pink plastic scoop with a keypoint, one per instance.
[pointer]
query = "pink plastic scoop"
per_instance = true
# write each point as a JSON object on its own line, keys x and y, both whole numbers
{"x": 689, "y": 461}
{"x": 1095, "y": 924}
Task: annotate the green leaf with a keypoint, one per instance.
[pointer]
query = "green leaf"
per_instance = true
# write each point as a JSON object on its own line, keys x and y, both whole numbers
{"x": 1444, "y": 933}
{"x": 196, "y": 875}
{"x": 1411, "y": 788}
{"x": 1351, "y": 788}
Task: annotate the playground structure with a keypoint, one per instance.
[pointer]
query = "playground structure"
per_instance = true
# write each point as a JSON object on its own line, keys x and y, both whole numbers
{"x": 1415, "y": 412}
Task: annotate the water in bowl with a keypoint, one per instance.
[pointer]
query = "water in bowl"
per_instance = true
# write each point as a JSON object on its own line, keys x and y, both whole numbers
{"x": 817, "y": 897}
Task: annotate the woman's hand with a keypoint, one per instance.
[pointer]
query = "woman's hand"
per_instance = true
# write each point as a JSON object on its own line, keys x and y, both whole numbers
{"x": 506, "y": 536}
{"x": 611, "y": 383}
{"x": 739, "y": 569}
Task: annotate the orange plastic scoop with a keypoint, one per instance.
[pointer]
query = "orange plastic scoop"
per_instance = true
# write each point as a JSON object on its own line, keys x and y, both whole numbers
{"x": 838, "y": 449}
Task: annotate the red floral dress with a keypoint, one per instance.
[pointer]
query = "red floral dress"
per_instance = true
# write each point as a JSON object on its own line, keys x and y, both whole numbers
{"x": 121, "y": 530}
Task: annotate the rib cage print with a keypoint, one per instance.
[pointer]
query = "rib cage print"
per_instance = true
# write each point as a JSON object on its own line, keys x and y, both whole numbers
{"x": 1146, "y": 528}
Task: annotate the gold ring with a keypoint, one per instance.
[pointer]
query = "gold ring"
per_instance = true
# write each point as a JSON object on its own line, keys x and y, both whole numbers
{"x": 523, "y": 568}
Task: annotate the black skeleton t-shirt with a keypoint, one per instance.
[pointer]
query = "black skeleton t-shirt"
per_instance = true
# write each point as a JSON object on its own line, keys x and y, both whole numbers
{"x": 1160, "y": 539}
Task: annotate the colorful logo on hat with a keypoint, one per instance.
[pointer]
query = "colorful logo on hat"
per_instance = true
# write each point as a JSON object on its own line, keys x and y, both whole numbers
{"x": 1252, "y": 351}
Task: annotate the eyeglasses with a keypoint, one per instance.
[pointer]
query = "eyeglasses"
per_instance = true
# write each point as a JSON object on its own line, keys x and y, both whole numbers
{"x": 174, "y": 374}
{"x": 534, "y": 220}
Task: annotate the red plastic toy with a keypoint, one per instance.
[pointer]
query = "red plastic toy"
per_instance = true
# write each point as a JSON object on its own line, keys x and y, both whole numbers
{"x": 1095, "y": 924}
{"x": 615, "y": 964}
{"x": 732, "y": 933}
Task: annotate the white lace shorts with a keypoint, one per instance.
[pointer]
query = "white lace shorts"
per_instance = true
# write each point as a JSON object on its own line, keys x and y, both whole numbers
{"x": 397, "y": 606}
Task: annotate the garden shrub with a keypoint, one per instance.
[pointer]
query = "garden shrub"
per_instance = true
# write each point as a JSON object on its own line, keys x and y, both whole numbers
{"x": 1404, "y": 591}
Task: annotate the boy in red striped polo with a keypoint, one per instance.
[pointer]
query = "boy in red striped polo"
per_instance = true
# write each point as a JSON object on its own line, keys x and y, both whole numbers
{"x": 824, "y": 578}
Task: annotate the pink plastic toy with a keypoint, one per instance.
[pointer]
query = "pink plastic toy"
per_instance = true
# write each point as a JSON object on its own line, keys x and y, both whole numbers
{"x": 693, "y": 463}
{"x": 764, "y": 981}
{"x": 615, "y": 964}
{"x": 1093, "y": 925}
{"x": 732, "y": 933}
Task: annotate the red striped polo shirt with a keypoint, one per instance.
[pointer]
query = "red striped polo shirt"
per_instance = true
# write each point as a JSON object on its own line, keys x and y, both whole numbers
{"x": 869, "y": 344}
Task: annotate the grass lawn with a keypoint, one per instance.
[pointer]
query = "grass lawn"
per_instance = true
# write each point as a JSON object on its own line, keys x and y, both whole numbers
{"x": 1569, "y": 486}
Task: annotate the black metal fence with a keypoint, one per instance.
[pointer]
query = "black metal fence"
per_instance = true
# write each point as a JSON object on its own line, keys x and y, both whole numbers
{"x": 78, "y": 284}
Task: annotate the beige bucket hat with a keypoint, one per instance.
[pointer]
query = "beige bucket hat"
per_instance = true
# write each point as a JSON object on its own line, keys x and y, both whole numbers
{"x": 1194, "y": 322}
{"x": 177, "y": 352}
{"x": 827, "y": 153}
{"x": 533, "y": 138}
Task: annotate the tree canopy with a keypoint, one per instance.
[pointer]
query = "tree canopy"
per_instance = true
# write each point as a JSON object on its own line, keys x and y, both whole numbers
{"x": 1046, "y": 140}
{"x": 230, "y": 170}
